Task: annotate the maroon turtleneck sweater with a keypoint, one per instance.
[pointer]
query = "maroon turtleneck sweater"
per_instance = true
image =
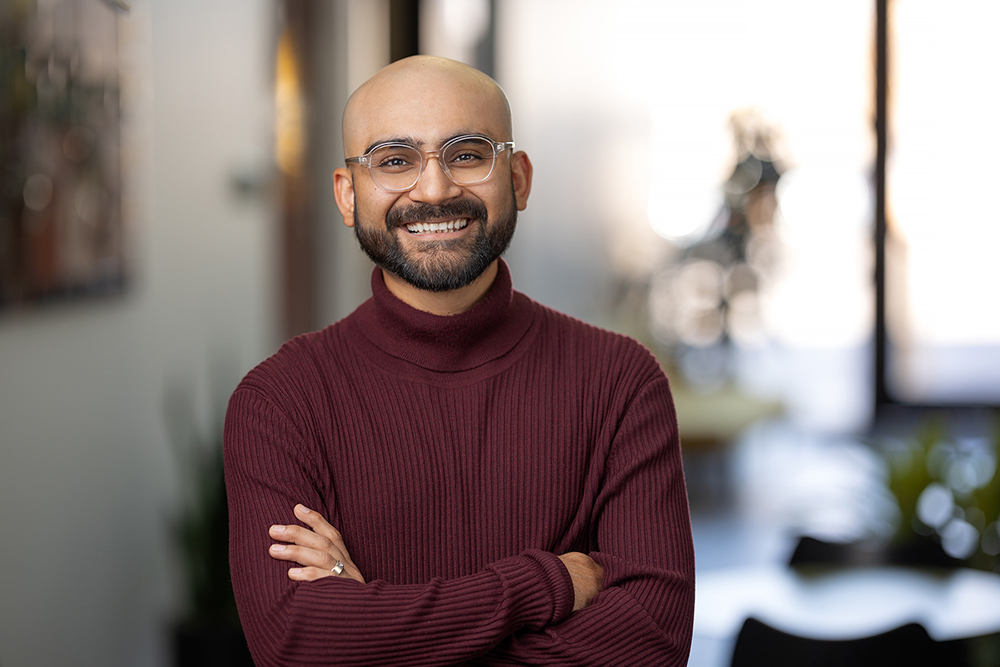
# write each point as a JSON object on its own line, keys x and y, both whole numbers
{"x": 458, "y": 455}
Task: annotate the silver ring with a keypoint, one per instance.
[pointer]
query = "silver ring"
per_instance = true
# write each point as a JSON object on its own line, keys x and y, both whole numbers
{"x": 338, "y": 568}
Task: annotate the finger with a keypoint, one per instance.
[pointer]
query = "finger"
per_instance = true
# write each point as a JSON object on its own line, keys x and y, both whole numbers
{"x": 308, "y": 573}
{"x": 311, "y": 573}
{"x": 305, "y": 556}
{"x": 314, "y": 573}
{"x": 310, "y": 538}
{"x": 312, "y": 559}
{"x": 320, "y": 526}
{"x": 302, "y": 536}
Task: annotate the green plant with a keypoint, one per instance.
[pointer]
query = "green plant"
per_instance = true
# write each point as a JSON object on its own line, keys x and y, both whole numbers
{"x": 201, "y": 528}
{"x": 948, "y": 491}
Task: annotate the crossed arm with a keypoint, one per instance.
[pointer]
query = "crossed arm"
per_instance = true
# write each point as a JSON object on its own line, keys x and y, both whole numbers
{"x": 319, "y": 548}
{"x": 630, "y": 603}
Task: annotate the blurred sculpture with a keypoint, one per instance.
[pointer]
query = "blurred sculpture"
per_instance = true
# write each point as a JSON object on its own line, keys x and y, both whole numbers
{"x": 708, "y": 296}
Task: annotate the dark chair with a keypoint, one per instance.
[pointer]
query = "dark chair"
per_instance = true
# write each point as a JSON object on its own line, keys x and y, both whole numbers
{"x": 760, "y": 645}
{"x": 810, "y": 551}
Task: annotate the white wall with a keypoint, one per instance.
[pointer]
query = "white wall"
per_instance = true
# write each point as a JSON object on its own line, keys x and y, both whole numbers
{"x": 87, "y": 477}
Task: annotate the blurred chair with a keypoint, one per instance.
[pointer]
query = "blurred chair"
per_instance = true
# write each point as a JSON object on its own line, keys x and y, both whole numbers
{"x": 812, "y": 551}
{"x": 918, "y": 553}
{"x": 760, "y": 645}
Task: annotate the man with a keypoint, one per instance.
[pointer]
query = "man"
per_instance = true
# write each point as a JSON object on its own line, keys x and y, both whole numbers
{"x": 508, "y": 479}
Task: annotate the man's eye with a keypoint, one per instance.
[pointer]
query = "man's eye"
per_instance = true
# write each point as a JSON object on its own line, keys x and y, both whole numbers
{"x": 466, "y": 158}
{"x": 394, "y": 163}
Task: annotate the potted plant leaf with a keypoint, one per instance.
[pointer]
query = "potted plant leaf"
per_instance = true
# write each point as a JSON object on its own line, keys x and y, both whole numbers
{"x": 208, "y": 632}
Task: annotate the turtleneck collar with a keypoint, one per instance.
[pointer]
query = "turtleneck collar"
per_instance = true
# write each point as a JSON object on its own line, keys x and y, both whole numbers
{"x": 447, "y": 343}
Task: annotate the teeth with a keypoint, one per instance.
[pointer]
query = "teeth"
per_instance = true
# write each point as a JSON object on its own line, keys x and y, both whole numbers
{"x": 434, "y": 227}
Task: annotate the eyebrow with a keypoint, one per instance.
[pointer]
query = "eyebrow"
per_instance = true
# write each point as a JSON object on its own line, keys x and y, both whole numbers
{"x": 412, "y": 141}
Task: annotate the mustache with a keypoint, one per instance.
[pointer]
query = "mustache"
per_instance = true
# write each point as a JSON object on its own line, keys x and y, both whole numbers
{"x": 460, "y": 208}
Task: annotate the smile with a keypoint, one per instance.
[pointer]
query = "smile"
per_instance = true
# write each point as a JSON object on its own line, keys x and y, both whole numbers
{"x": 437, "y": 227}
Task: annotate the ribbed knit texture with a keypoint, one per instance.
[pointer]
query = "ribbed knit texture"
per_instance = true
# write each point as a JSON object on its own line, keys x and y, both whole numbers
{"x": 458, "y": 456}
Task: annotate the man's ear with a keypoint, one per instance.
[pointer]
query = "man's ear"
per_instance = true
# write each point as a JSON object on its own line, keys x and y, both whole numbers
{"x": 343, "y": 192}
{"x": 520, "y": 174}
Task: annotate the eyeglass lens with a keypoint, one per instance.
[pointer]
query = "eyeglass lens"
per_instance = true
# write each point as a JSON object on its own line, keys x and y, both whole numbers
{"x": 397, "y": 167}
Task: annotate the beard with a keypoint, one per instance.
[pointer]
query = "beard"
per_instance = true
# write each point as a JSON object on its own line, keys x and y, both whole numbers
{"x": 439, "y": 266}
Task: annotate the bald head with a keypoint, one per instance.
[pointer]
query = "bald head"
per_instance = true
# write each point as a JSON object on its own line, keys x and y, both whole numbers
{"x": 426, "y": 99}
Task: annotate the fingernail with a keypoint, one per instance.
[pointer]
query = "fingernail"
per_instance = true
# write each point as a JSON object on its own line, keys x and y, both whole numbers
{"x": 304, "y": 509}
{"x": 277, "y": 547}
{"x": 277, "y": 529}
{"x": 295, "y": 570}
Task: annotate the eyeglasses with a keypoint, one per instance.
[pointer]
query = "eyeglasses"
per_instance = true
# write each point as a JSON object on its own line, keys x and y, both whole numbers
{"x": 466, "y": 160}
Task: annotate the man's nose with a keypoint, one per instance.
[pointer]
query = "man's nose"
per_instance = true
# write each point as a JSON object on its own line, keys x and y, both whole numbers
{"x": 434, "y": 185}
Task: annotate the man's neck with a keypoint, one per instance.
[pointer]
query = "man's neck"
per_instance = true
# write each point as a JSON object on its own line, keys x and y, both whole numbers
{"x": 442, "y": 303}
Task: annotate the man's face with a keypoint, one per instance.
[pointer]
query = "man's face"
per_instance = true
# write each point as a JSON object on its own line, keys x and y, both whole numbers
{"x": 439, "y": 236}
{"x": 438, "y": 264}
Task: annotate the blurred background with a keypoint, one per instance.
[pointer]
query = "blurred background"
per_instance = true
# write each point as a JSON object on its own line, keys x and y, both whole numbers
{"x": 788, "y": 202}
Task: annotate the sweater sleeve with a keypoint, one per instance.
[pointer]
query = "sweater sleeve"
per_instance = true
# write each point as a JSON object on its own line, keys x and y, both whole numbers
{"x": 645, "y": 612}
{"x": 341, "y": 622}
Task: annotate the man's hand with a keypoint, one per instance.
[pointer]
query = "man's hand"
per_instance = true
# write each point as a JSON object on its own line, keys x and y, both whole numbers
{"x": 587, "y": 576}
{"x": 316, "y": 550}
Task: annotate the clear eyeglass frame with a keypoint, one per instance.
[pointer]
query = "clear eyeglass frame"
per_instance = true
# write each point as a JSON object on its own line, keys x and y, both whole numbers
{"x": 366, "y": 159}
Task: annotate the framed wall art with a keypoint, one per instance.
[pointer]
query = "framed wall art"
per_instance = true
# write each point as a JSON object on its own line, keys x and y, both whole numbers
{"x": 61, "y": 228}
